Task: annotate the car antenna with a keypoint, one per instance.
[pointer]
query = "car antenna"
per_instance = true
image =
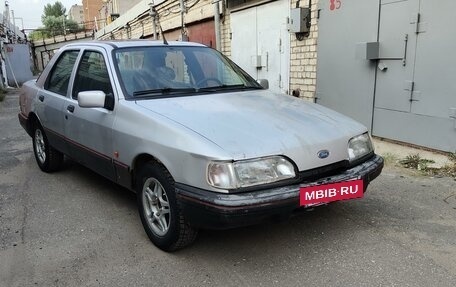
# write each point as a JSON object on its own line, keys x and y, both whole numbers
{"x": 161, "y": 31}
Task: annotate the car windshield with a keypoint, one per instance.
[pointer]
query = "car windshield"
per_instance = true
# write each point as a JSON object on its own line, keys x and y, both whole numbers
{"x": 168, "y": 71}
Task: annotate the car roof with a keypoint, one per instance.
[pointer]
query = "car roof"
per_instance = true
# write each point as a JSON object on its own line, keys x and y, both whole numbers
{"x": 132, "y": 43}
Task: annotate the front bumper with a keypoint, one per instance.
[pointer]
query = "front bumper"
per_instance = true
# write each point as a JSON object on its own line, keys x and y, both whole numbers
{"x": 211, "y": 210}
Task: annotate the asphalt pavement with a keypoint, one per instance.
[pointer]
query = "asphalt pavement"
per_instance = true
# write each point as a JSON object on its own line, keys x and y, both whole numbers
{"x": 74, "y": 228}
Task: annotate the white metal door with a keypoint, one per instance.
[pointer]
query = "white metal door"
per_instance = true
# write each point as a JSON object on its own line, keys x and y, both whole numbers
{"x": 261, "y": 43}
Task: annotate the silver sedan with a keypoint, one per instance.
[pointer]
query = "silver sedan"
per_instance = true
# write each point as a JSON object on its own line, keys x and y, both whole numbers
{"x": 201, "y": 143}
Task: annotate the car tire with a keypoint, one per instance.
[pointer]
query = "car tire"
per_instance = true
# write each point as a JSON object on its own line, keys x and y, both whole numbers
{"x": 159, "y": 210}
{"x": 48, "y": 158}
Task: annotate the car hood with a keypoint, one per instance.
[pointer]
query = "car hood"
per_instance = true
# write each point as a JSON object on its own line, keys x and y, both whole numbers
{"x": 258, "y": 123}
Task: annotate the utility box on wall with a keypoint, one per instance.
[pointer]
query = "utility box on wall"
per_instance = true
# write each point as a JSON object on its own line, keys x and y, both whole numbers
{"x": 299, "y": 20}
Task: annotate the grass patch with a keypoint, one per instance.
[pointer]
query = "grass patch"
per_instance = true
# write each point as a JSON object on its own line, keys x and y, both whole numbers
{"x": 450, "y": 169}
{"x": 390, "y": 158}
{"x": 414, "y": 161}
{"x": 452, "y": 157}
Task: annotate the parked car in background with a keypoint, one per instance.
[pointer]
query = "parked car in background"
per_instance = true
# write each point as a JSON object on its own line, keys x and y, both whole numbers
{"x": 201, "y": 143}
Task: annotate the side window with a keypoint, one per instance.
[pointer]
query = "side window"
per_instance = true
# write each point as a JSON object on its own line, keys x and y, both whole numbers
{"x": 92, "y": 75}
{"x": 59, "y": 77}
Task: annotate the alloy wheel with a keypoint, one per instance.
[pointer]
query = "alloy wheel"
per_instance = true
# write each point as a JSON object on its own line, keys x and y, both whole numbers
{"x": 40, "y": 146}
{"x": 156, "y": 206}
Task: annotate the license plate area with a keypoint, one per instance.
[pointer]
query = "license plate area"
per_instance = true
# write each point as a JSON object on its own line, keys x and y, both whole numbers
{"x": 319, "y": 194}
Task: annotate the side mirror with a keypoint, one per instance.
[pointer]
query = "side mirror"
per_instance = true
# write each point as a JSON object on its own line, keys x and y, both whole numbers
{"x": 91, "y": 99}
{"x": 264, "y": 83}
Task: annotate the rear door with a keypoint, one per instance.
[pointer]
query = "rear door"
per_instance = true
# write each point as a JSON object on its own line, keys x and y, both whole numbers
{"x": 89, "y": 130}
{"x": 52, "y": 97}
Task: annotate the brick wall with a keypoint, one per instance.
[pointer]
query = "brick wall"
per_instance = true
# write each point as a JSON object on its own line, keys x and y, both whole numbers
{"x": 303, "y": 57}
{"x": 91, "y": 8}
{"x": 225, "y": 27}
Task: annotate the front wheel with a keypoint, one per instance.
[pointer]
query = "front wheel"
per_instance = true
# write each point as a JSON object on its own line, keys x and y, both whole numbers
{"x": 47, "y": 158}
{"x": 160, "y": 214}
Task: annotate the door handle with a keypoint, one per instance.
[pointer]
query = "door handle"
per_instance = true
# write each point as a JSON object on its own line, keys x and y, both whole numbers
{"x": 70, "y": 108}
{"x": 404, "y": 59}
{"x": 41, "y": 98}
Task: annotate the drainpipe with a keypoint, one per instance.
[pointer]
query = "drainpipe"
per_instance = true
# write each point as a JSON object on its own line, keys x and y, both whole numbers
{"x": 183, "y": 8}
{"x": 154, "y": 24}
{"x": 115, "y": 6}
{"x": 14, "y": 27}
{"x": 153, "y": 15}
{"x": 218, "y": 44}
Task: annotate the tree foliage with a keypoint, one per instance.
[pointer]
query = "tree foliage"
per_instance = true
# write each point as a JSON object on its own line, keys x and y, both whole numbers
{"x": 57, "y": 10}
{"x": 55, "y": 22}
{"x": 37, "y": 35}
{"x": 59, "y": 25}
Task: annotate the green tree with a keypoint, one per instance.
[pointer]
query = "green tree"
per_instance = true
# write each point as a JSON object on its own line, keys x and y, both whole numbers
{"x": 55, "y": 22}
{"x": 54, "y": 25}
{"x": 72, "y": 27}
{"x": 57, "y": 10}
{"x": 37, "y": 35}
{"x": 59, "y": 25}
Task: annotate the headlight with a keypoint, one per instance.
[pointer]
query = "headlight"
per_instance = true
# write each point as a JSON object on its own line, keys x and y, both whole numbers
{"x": 359, "y": 146}
{"x": 238, "y": 174}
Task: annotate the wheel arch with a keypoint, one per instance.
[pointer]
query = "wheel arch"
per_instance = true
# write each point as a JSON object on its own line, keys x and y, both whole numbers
{"x": 33, "y": 119}
{"x": 139, "y": 161}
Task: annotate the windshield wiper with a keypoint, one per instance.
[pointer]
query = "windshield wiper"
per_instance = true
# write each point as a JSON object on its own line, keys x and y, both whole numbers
{"x": 163, "y": 91}
{"x": 227, "y": 87}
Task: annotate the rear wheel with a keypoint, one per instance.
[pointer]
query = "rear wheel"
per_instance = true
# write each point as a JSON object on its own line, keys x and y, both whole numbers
{"x": 47, "y": 158}
{"x": 160, "y": 214}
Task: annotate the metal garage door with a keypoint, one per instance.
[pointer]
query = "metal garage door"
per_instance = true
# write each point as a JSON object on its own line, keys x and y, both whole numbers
{"x": 261, "y": 43}
{"x": 415, "y": 98}
{"x": 344, "y": 83}
{"x": 414, "y": 87}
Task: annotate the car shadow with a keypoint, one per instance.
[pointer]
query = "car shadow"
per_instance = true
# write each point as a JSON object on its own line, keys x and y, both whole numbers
{"x": 306, "y": 231}
{"x": 103, "y": 185}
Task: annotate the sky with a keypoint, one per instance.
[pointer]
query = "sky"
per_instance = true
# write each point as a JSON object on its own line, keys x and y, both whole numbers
{"x": 31, "y": 10}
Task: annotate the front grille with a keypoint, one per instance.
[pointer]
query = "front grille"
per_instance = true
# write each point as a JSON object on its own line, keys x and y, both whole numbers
{"x": 323, "y": 171}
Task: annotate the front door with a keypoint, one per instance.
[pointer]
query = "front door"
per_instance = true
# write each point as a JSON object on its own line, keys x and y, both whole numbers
{"x": 89, "y": 130}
